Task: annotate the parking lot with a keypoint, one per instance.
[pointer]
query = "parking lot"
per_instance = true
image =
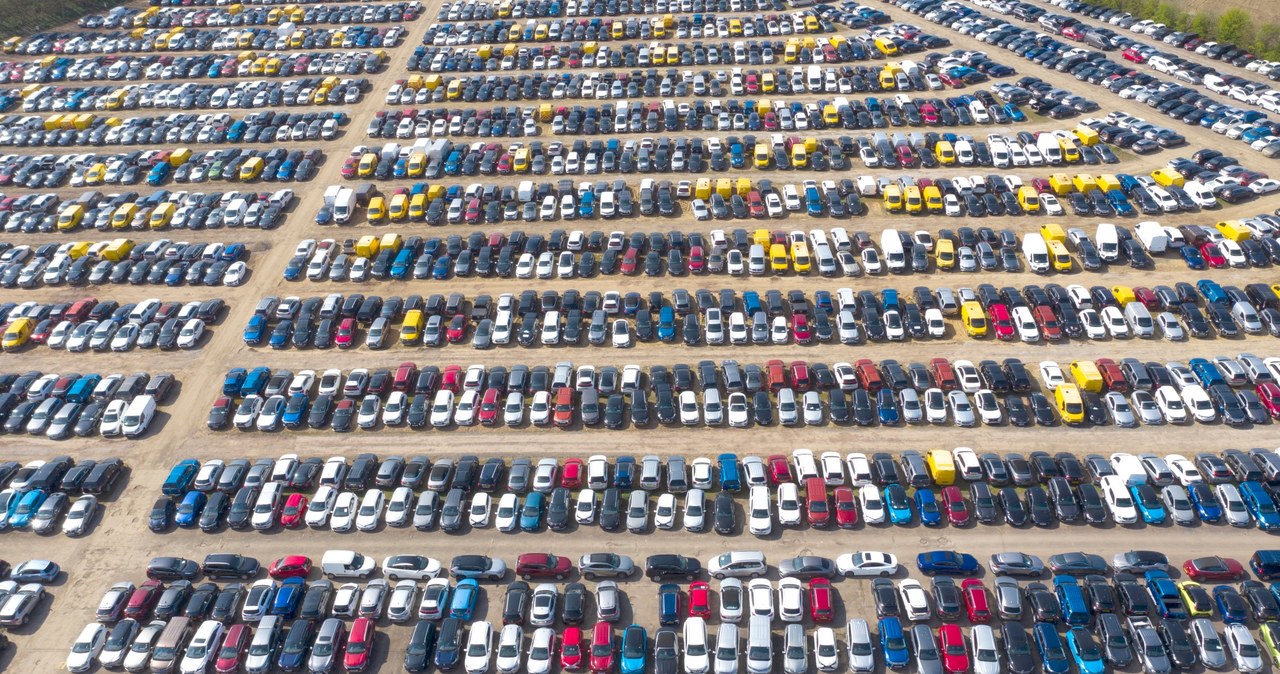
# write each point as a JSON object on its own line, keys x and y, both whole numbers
{"x": 119, "y": 547}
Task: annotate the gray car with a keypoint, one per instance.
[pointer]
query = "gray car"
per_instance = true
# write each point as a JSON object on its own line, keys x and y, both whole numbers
{"x": 1115, "y": 645}
{"x": 605, "y": 565}
{"x": 925, "y": 648}
{"x": 608, "y": 601}
{"x": 638, "y": 511}
{"x": 1008, "y": 598}
{"x": 795, "y": 650}
{"x": 1016, "y": 564}
{"x": 327, "y": 645}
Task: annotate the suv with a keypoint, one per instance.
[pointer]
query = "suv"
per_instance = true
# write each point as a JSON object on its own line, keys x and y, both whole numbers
{"x": 229, "y": 565}
{"x": 662, "y": 566}
{"x": 738, "y": 564}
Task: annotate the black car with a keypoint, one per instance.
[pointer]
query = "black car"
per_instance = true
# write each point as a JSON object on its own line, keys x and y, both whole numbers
{"x": 1015, "y": 514}
{"x": 1043, "y": 602}
{"x": 946, "y": 598}
{"x": 725, "y": 516}
{"x": 162, "y": 513}
{"x": 574, "y": 606}
{"x": 229, "y": 565}
{"x": 984, "y": 503}
{"x": 422, "y": 642}
{"x": 315, "y": 602}
{"x": 559, "y": 510}
{"x": 515, "y": 603}
{"x": 657, "y": 567}
{"x": 172, "y": 568}
{"x": 611, "y": 509}
{"x": 227, "y": 603}
{"x": 1019, "y": 657}
{"x": 241, "y": 511}
{"x": 448, "y": 645}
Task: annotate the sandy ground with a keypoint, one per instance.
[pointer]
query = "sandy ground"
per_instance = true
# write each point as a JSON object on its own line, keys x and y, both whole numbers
{"x": 120, "y": 546}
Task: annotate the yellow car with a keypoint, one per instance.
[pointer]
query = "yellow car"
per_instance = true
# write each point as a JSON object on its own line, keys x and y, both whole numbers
{"x": 17, "y": 334}
{"x": 368, "y": 163}
{"x": 1198, "y": 600}
{"x": 1270, "y": 631}
{"x": 377, "y": 210}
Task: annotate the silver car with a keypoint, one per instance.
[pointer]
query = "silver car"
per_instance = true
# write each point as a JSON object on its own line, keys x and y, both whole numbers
{"x": 1121, "y": 412}
{"x": 608, "y": 601}
{"x": 859, "y": 647}
{"x": 46, "y": 518}
{"x": 1208, "y": 643}
{"x": 328, "y": 644}
{"x": 924, "y": 647}
{"x": 1233, "y": 507}
{"x": 795, "y": 650}
{"x": 542, "y": 608}
{"x": 638, "y": 511}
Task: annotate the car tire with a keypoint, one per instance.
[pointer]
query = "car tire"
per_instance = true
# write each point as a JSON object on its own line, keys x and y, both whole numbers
{"x": 589, "y": 576}
{"x": 885, "y": 574}
{"x": 719, "y": 576}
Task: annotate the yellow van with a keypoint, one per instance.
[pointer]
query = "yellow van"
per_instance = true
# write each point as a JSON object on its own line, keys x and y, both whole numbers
{"x": 17, "y": 334}
{"x": 932, "y": 198}
{"x": 800, "y": 257}
{"x": 1053, "y": 232}
{"x": 778, "y": 258}
{"x": 724, "y": 187}
{"x": 1086, "y": 135}
{"x": 887, "y": 81}
{"x": 944, "y": 253}
{"x": 398, "y": 209}
{"x": 760, "y": 237}
{"x": 367, "y": 246}
{"x": 1059, "y": 256}
{"x": 768, "y": 83}
{"x": 418, "y": 207}
{"x": 975, "y": 321}
{"x": 913, "y": 200}
{"x": 1070, "y": 153}
{"x": 742, "y": 187}
{"x": 251, "y": 169}
{"x": 892, "y": 197}
{"x": 830, "y": 115}
{"x": 1029, "y": 199}
{"x": 886, "y": 46}
{"x": 123, "y": 216}
{"x": 1107, "y": 182}
{"x": 735, "y": 27}
{"x": 1086, "y": 375}
{"x": 520, "y": 163}
{"x": 1234, "y": 230}
{"x": 162, "y": 214}
{"x": 762, "y": 156}
{"x": 1167, "y": 176}
{"x": 799, "y": 157}
{"x": 1070, "y": 404}
{"x": 1123, "y": 295}
{"x": 1084, "y": 183}
{"x": 942, "y": 467}
{"x": 945, "y": 152}
{"x": 1061, "y": 185}
{"x": 390, "y": 241}
{"x": 70, "y": 216}
{"x": 95, "y": 175}
{"x": 368, "y": 163}
{"x": 702, "y": 189}
{"x": 377, "y": 210}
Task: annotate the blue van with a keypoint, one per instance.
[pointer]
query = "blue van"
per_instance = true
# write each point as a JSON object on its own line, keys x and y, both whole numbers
{"x": 730, "y": 477}
{"x": 83, "y": 388}
{"x": 1266, "y": 564}
{"x": 180, "y": 477}
{"x": 1075, "y": 610}
{"x": 1213, "y": 293}
{"x": 1260, "y": 505}
{"x": 1206, "y": 372}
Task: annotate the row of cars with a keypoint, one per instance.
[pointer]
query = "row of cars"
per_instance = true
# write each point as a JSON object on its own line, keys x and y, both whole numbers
{"x": 206, "y": 38}
{"x": 1170, "y": 97}
{"x": 165, "y": 209}
{"x": 617, "y": 496}
{"x": 93, "y": 325}
{"x": 265, "y": 127}
{"x": 41, "y": 495}
{"x": 174, "y": 16}
{"x": 1105, "y": 624}
{"x": 246, "y": 94}
{"x": 182, "y": 67}
{"x": 58, "y": 406}
{"x": 123, "y": 261}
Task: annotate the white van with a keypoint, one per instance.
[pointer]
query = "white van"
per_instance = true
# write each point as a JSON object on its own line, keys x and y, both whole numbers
{"x": 1036, "y": 252}
{"x": 137, "y": 417}
{"x": 757, "y": 263}
{"x": 1048, "y": 145}
{"x": 346, "y": 564}
{"x": 1108, "y": 242}
{"x": 891, "y": 246}
{"x": 760, "y": 645}
{"x": 1139, "y": 319}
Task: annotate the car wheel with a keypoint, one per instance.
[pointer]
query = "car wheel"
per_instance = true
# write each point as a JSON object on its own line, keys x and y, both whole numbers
{"x": 559, "y": 576}
{"x": 526, "y": 577}
{"x": 589, "y": 576}
{"x": 719, "y": 576}
{"x": 884, "y": 574}
{"x": 392, "y": 576}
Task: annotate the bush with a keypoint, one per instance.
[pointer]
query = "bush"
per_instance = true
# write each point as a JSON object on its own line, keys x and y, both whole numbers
{"x": 27, "y": 17}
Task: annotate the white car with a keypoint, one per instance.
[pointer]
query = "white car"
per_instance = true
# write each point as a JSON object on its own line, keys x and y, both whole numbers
{"x": 400, "y": 507}
{"x": 393, "y": 413}
{"x": 697, "y": 653}
{"x": 621, "y": 333}
{"x": 789, "y": 508}
{"x": 478, "y": 513}
{"x": 790, "y": 600}
{"x": 204, "y": 645}
{"x": 1118, "y": 500}
{"x": 1244, "y": 649}
{"x": 1113, "y": 319}
{"x": 1184, "y": 470}
{"x": 859, "y": 469}
{"x": 759, "y": 515}
{"x": 584, "y": 510}
{"x": 513, "y": 410}
{"x": 935, "y": 405}
{"x": 1051, "y": 374}
{"x": 346, "y": 600}
{"x": 189, "y": 336}
{"x": 479, "y": 646}
{"x": 344, "y": 512}
{"x": 825, "y": 650}
{"x": 465, "y": 413}
{"x": 695, "y": 510}
{"x": 80, "y": 516}
{"x": 320, "y": 506}
{"x": 915, "y": 601}
{"x": 442, "y": 408}
{"x": 1197, "y": 401}
{"x": 739, "y": 410}
{"x": 732, "y": 598}
{"x": 700, "y": 473}
{"x": 1171, "y": 405}
{"x": 86, "y": 648}
{"x": 988, "y": 407}
{"x": 872, "y": 505}
{"x": 510, "y": 646}
{"x": 986, "y": 655}
{"x": 664, "y": 513}
{"x": 760, "y": 595}
{"x": 370, "y": 511}
{"x": 541, "y": 651}
{"x": 1093, "y": 325}
{"x": 961, "y": 409}
{"x": 867, "y": 564}
{"x": 507, "y": 516}
{"x": 540, "y": 409}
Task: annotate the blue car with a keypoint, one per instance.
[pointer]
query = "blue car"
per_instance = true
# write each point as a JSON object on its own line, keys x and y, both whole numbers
{"x": 946, "y": 563}
{"x": 253, "y": 333}
{"x": 730, "y": 479}
{"x": 893, "y": 643}
{"x": 1231, "y": 605}
{"x": 1149, "y": 506}
{"x": 899, "y": 506}
{"x": 669, "y": 604}
{"x": 624, "y": 472}
{"x": 1205, "y": 502}
{"x": 255, "y": 381}
{"x": 1015, "y": 113}
{"x": 531, "y": 511}
{"x": 294, "y": 651}
{"x": 1085, "y": 651}
{"x": 634, "y": 644}
{"x": 1260, "y": 505}
{"x": 233, "y": 381}
{"x": 288, "y": 597}
{"x": 1053, "y": 653}
{"x": 295, "y": 410}
{"x": 887, "y": 407}
{"x": 1075, "y": 608}
{"x": 464, "y": 600}
{"x": 1193, "y": 258}
{"x": 180, "y": 477}
{"x": 927, "y": 503}
{"x": 27, "y": 507}
{"x": 666, "y": 324}
{"x": 189, "y": 510}
{"x": 440, "y": 271}
{"x": 280, "y": 336}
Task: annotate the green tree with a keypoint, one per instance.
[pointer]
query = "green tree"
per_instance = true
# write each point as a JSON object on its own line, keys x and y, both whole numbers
{"x": 1204, "y": 25}
{"x": 1235, "y": 26}
{"x": 1167, "y": 14}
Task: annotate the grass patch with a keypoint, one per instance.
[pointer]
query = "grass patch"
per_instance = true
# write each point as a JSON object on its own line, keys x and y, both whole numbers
{"x": 24, "y": 17}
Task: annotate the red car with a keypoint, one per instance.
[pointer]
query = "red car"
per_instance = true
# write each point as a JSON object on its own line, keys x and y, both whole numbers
{"x": 232, "y": 649}
{"x": 1269, "y": 392}
{"x": 955, "y": 650}
{"x": 143, "y": 600}
{"x": 846, "y": 508}
{"x": 1147, "y": 296}
{"x": 956, "y": 507}
{"x": 532, "y": 565}
{"x": 779, "y": 469}
{"x": 1212, "y": 256}
{"x": 801, "y": 381}
{"x": 349, "y": 167}
{"x": 868, "y": 374}
{"x": 1132, "y": 54}
{"x": 630, "y": 261}
{"x": 346, "y": 336}
{"x": 403, "y": 379}
{"x": 359, "y": 649}
{"x": 451, "y": 378}
{"x": 821, "y": 603}
{"x": 944, "y": 376}
{"x": 700, "y": 599}
{"x": 571, "y": 649}
{"x": 976, "y": 600}
{"x": 800, "y": 328}
{"x": 1213, "y": 569}
{"x": 697, "y": 260}
{"x": 457, "y": 329}
{"x": 1001, "y": 322}
{"x": 295, "y": 508}
{"x": 290, "y": 566}
{"x": 817, "y": 507}
{"x": 571, "y": 475}
{"x": 488, "y": 413}
{"x": 602, "y": 648}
